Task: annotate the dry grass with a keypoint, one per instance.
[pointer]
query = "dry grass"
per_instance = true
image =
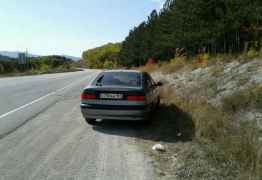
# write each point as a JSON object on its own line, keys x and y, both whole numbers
{"x": 217, "y": 71}
{"x": 225, "y": 140}
{"x": 200, "y": 61}
{"x": 166, "y": 67}
{"x": 149, "y": 68}
{"x": 249, "y": 98}
{"x": 174, "y": 65}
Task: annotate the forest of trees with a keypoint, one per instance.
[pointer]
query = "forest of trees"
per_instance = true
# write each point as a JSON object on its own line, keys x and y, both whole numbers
{"x": 106, "y": 56}
{"x": 210, "y": 26}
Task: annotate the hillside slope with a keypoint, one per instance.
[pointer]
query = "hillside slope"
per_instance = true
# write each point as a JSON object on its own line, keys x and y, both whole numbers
{"x": 216, "y": 81}
{"x": 210, "y": 122}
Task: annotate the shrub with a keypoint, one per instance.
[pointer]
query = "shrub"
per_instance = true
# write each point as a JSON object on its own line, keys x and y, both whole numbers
{"x": 44, "y": 67}
{"x": 2, "y": 69}
{"x": 257, "y": 97}
{"x": 252, "y": 53}
{"x": 217, "y": 71}
{"x": 251, "y": 97}
{"x": 202, "y": 59}
{"x": 110, "y": 64}
{"x": 151, "y": 61}
{"x": 236, "y": 102}
{"x": 9, "y": 66}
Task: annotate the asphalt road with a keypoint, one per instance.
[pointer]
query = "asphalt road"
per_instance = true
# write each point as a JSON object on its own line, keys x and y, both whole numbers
{"x": 43, "y": 135}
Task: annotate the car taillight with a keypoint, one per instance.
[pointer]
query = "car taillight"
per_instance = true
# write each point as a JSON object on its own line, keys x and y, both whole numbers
{"x": 86, "y": 96}
{"x": 136, "y": 98}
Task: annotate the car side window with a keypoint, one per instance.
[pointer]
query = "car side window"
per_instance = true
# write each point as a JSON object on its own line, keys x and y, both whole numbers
{"x": 151, "y": 80}
{"x": 148, "y": 81}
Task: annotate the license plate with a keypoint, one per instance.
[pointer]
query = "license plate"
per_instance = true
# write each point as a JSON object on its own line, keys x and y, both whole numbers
{"x": 111, "y": 96}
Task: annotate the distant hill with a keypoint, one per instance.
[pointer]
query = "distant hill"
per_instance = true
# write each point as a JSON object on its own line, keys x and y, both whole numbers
{"x": 5, "y": 58}
{"x": 72, "y": 57}
{"x": 14, "y": 55}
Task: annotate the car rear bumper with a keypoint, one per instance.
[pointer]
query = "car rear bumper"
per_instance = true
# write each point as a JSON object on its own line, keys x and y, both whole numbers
{"x": 115, "y": 113}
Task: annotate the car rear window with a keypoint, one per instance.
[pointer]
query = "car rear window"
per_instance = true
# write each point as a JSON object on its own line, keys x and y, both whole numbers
{"x": 131, "y": 79}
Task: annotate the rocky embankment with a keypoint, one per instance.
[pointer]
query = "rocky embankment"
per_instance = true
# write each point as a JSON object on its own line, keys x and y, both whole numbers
{"x": 210, "y": 139}
{"x": 217, "y": 82}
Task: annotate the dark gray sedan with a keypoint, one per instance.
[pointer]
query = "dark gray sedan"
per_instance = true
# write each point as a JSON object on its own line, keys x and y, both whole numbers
{"x": 120, "y": 95}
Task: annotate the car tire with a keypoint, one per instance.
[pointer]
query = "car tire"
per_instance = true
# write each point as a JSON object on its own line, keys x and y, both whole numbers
{"x": 147, "y": 122}
{"x": 148, "y": 119}
{"x": 157, "y": 103}
{"x": 91, "y": 121}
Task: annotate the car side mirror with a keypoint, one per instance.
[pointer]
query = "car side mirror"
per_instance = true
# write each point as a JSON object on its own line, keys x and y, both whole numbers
{"x": 159, "y": 84}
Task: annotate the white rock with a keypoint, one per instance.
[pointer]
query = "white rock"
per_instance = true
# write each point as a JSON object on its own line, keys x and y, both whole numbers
{"x": 158, "y": 147}
{"x": 179, "y": 134}
{"x": 260, "y": 139}
{"x": 257, "y": 76}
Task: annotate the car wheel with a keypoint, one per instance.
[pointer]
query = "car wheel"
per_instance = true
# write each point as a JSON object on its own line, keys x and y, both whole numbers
{"x": 158, "y": 103}
{"x": 148, "y": 119}
{"x": 91, "y": 121}
{"x": 148, "y": 122}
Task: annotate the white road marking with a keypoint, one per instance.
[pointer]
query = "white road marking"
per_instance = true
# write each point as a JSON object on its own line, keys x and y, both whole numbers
{"x": 39, "y": 99}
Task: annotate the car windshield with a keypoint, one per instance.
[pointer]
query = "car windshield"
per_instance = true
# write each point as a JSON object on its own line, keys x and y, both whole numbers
{"x": 129, "y": 79}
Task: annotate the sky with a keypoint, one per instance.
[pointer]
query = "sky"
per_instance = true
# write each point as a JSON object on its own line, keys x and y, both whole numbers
{"x": 68, "y": 27}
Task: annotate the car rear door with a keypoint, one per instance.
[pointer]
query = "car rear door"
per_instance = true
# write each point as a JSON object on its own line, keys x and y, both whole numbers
{"x": 150, "y": 89}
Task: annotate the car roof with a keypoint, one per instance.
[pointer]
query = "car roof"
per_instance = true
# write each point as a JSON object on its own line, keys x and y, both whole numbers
{"x": 123, "y": 70}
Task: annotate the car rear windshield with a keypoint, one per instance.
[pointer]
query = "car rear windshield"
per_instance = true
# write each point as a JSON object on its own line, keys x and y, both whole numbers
{"x": 129, "y": 79}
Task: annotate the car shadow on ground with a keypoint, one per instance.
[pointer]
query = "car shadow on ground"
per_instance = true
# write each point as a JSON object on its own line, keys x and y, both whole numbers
{"x": 169, "y": 124}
